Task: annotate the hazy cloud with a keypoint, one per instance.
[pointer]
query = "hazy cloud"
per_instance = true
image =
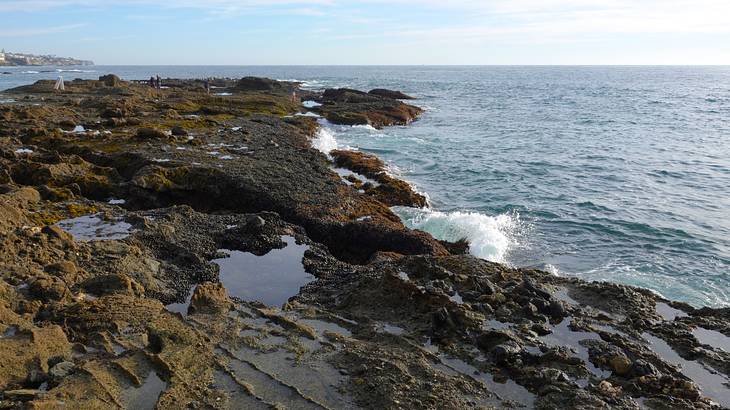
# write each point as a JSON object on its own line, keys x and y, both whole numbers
{"x": 37, "y": 31}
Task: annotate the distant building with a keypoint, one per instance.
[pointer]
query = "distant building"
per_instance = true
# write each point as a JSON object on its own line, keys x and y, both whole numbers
{"x": 22, "y": 59}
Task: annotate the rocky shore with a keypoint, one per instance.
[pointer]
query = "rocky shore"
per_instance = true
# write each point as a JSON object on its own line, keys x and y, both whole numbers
{"x": 178, "y": 249}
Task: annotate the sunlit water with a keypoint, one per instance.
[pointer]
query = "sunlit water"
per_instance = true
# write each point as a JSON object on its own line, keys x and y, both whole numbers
{"x": 606, "y": 173}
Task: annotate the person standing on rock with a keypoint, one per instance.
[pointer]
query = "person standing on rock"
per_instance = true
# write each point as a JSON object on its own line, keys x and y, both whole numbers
{"x": 152, "y": 82}
{"x": 159, "y": 83}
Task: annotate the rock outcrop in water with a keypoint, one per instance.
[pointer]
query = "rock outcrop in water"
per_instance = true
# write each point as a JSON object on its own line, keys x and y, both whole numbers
{"x": 353, "y": 107}
{"x": 116, "y": 199}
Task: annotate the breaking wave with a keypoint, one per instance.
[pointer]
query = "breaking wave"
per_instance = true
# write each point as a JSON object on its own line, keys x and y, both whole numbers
{"x": 324, "y": 140}
{"x": 490, "y": 237}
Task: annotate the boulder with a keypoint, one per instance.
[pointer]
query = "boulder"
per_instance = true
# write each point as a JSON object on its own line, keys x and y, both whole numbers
{"x": 210, "y": 298}
{"x": 111, "y": 284}
{"x": 61, "y": 370}
{"x": 55, "y": 232}
{"x": 620, "y": 364}
{"x": 47, "y": 288}
{"x": 506, "y": 352}
{"x": 112, "y": 113}
{"x": 179, "y": 131}
{"x": 110, "y": 80}
{"x": 151, "y": 134}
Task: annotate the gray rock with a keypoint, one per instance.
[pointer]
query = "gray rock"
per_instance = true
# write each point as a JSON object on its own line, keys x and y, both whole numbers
{"x": 531, "y": 286}
{"x": 554, "y": 375}
{"x": 61, "y": 370}
{"x": 179, "y": 131}
{"x": 506, "y": 351}
{"x": 256, "y": 221}
{"x": 484, "y": 285}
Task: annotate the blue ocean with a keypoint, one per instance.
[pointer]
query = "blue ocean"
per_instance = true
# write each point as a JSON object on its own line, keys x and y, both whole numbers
{"x": 615, "y": 174}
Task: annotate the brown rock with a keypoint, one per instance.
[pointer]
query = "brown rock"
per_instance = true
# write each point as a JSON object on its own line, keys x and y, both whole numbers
{"x": 48, "y": 288}
{"x": 348, "y": 118}
{"x": 151, "y": 133}
{"x": 63, "y": 268}
{"x": 620, "y": 364}
{"x": 390, "y": 191}
{"x": 26, "y": 355}
{"x": 179, "y": 131}
{"x": 110, "y": 80}
{"x": 55, "y": 232}
{"x": 21, "y": 394}
{"x": 110, "y": 313}
{"x": 608, "y": 389}
{"x": 111, "y": 284}
{"x": 210, "y": 298}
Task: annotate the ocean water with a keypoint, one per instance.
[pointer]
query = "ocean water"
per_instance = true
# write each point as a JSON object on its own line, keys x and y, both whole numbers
{"x": 606, "y": 173}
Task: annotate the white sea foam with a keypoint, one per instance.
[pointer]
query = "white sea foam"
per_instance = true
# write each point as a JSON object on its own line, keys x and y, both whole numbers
{"x": 552, "y": 269}
{"x": 365, "y": 127}
{"x": 324, "y": 140}
{"x": 308, "y": 114}
{"x": 77, "y": 130}
{"x": 306, "y": 84}
{"x": 490, "y": 237}
{"x": 74, "y": 70}
{"x": 311, "y": 104}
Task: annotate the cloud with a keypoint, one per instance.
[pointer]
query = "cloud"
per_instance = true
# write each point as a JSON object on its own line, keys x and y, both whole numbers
{"x": 599, "y": 15}
{"x": 469, "y": 20}
{"x": 547, "y": 21}
{"x": 38, "y": 31}
{"x": 217, "y": 6}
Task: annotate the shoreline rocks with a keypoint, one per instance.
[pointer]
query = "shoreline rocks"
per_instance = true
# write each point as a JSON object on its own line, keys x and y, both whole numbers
{"x": 392, "y": 318}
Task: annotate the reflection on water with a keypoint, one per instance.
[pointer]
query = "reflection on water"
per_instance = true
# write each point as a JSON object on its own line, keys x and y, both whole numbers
{"x": 272, "y": 278}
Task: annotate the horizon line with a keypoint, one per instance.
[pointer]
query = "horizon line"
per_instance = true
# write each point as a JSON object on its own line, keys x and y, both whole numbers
{"x": 386, "y": 65}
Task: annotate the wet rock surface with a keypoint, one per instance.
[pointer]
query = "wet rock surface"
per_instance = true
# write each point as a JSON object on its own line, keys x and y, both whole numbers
{"x": 120, "y": 206}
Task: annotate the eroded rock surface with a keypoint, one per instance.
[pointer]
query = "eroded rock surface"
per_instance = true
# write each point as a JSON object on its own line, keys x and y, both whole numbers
{"x": 116, "y": 201}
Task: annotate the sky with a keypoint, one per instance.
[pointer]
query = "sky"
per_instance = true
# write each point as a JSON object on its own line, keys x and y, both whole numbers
{"x": 380, "y": 32}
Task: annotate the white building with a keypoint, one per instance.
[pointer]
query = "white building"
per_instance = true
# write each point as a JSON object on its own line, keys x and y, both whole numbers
{"x": 2, "y": 56}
